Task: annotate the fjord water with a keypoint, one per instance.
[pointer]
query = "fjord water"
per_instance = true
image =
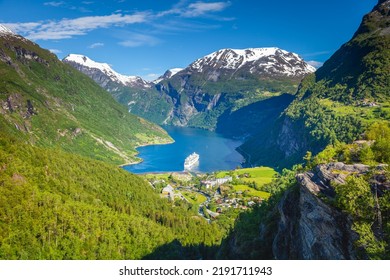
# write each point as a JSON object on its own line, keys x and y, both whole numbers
{"x": 215, "y": 152}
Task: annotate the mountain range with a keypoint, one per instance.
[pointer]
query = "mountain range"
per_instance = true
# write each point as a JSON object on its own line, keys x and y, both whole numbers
{"x": 197, "y": 95}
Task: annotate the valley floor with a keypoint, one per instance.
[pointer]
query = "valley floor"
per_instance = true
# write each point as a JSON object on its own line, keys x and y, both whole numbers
{"x": 216, "y": 194}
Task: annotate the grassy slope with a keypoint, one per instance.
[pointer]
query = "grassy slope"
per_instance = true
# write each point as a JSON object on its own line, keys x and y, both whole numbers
{"x": 70, "y": 110}
{"x": 251, "y": 192}
{"x": 259, "y": 175}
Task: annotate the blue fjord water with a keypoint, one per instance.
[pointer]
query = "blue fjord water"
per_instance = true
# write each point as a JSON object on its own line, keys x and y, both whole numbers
{"x": 215, "y": 152}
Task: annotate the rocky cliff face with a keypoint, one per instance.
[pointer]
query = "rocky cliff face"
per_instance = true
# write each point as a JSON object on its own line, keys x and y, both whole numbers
{"x": 309, "y": 227}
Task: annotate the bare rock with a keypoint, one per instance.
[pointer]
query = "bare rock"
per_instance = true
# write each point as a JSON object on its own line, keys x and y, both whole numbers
{"x": 308, "y": 227}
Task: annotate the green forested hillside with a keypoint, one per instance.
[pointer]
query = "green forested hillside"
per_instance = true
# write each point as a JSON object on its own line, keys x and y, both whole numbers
{"x": 50, "y": 104}
{"x": 54, "y": 205}
{"x": 146, "y": 103}
{"x": 360, "y": 68}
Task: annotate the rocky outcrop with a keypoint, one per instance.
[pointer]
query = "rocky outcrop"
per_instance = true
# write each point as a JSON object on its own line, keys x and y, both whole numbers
{"x": 320, "y": 180}
{"x": 310, "y": 228}
{"x": 15, "y": 103}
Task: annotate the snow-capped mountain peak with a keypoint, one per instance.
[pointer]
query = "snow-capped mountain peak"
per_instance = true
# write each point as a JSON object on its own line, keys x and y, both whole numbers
{"x": 5, "y": 30}
{"x": 267, "y": 60}
{"x": 168, "y": 74}
{"x": 106, "y": 69}
{"x": 173, "y": 71}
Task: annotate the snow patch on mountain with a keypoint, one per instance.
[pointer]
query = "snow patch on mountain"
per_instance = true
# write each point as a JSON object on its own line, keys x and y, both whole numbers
{"x": 168, "y": 74}
{"x": 271, "y": 60}
{"x": 106, "y": 69}
{"x": 174, "y": 71}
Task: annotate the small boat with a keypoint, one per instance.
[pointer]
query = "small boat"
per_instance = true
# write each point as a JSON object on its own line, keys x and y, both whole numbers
{"x": 191, "y": 161}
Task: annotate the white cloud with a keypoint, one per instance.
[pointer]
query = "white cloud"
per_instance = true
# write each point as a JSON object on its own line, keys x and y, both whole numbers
{"x": 137, "y": 40}
{"x": 151, "y": 76}
{"x": 55, "y": 51}
{"x": 68, "y": 28}
{"x": 315, "y": 64}
{"x": 202, "y": 8}
{"x": 197, "y": 9}
{"x": 96, "y": 45}
{"x": 54, "y": 3}
{"x": 23, "y": 28}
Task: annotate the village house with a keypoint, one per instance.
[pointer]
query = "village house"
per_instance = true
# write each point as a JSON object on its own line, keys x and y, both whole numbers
{"x": 217, "y": 182}
{"x": 168, "y": 192}
{"x": 251, "y": 203}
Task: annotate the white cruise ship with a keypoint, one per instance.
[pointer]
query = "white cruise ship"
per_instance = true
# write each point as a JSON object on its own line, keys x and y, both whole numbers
{"x": 191, "y": 161}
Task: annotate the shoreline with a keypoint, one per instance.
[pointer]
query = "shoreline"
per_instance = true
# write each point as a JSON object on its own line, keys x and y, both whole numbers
{"x": 144, "y": 145}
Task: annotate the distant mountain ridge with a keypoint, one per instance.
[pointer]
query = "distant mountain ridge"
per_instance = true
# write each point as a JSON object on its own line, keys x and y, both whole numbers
{"x": 197, "y": 95}
{"x": 260, "y": 61}
{"x": 102, "y": 73}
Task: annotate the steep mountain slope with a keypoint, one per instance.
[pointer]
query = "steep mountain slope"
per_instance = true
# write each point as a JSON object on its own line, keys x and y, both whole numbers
{"x": 50, "y": 104}
{"x": 138, "y": 95}
{"x": 230, "y": 79}
{"x": 359, "y": 69}
{"x": 338, "y": 101}
{"x": 253, "y": 119}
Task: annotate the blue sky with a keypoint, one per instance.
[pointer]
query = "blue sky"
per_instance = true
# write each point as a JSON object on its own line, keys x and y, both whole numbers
{"x": 147, "y": 37}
